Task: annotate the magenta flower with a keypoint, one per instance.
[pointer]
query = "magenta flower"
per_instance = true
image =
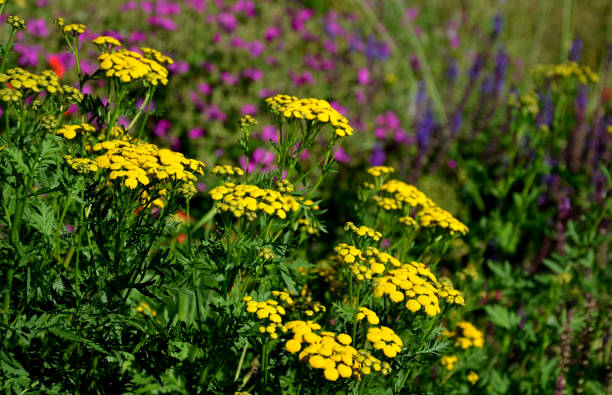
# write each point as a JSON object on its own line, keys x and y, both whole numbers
{"x": 146, "y": 6}
{"x": 29, "y": 54}
{"x": 252, "y": 74}
{"x": 261, "y": 156}
{"x": 42, "y": 3}
{"x": 248, "y": 109}
{"x": 245, "y": 7}
{"x": 201, "y": 186}
{"x": 204, "y": 88}
{"x": 140, "y": 102}
{"x": 363, "y": 76}
{"x": 195, "y": 133}
{"x": 272, "y": 33}
{"x": 342, "y": 156}
{"x": 243, "y": 164}
{"x": 268, "y": 132}
{"x": 336, "y": 106}
{"x": 165, "y": 7}
{"x": 266, "y": 93}
{"x": 215, "y": 113}
{"x": 164, "y": 23}
{"x": 298, "y": 22}
{"x": 228, "y": 78}
{"x": 128, "y": 6}
{"x": 137, "y": 37}
{"x": 237, "y": 42}
{"x": 38, "y": 28}
{"x": 255, "y": 48}
{"x": 301, "y": 79}
{"x": 179, "y": 67}
{"x": 330, "y": 46}
{"x": 227, "y": 21}
{"x": 162, "y": 127}
{"x": 197, "y": 5}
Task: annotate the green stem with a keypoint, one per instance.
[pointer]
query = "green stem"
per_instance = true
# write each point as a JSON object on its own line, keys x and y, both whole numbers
{"x": 244, "y": 350}
{"x": 6, "y": 49}
{"x": 7, "y": 296}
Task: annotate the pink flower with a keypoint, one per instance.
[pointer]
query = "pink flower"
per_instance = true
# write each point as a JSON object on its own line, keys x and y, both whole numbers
{"x": 198, "y": 5}
{"x": 137, "y": 37}
{"x": 228, "y": 78}
{"x": 252, "y": 74}
{"x": 268, "y": 133}
{"x": 245, "y": 7}
{"x": 38, "y": 28}
{"x": 195, "y": 133}
{"x": 255, "y": 48}
{"x": 227, "y": 21}
{"x": 164, "y": 23}
{"x": 342, "y": 156}
{"x": 215, "y": 113}
{"x": 272, "y": 33}
{"x": 204, "y": 88}
{"x": 336, "y": 106}
{"x": 162, "y": 127}
{"x": 179, "y": 67}
{"x": 363, "y": 76}
{"x": 248, "y": 109}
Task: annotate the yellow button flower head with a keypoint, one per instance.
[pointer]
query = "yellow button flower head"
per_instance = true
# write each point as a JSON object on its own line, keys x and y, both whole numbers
{"x": 129, "y": 65}
{"x": 378, "y": 171}
{"x": 71, "y": 131}
{"x": 437, "y": 217}
{"x": 449, "y": 362}
{"x": 106, "y": 43}
{"x": 154, "y": 54}
{"x": 249, "y": 200}
{"x": 363, "y": 231}
{"x": 247, "y": 121}
{"x": 16, "y": 22}
{"x": 386, "y": 340}
{"x": 395, "y": 195}
{"x": 472, "y": 377}
{"x": 30, "y": 84}
{"x": 315, "y": 111}
{"x": 74, "y": 29}
{"x": 467, "y": 335}
{"x": 364, "y": 312}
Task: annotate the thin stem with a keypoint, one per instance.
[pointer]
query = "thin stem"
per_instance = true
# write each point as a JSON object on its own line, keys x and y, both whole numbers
{"x": 6, "y": 49}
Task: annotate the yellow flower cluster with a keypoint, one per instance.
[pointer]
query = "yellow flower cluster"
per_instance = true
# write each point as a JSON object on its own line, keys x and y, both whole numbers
{"x": 371, "y": 316}
{"x": 265, "y": 253}
{"x": 106, "y": 43}
{"x": 139, "y": 163}
{"x": 364, "y": 265}
{"x": 378, "y": 171}
{"x": 16, "y": 22}
{"x": 363, "y": 231}
{"x": 449, "y": 362}
{"x": 467, "y": 335}
{"x": 284, "y": 185}
{"x": 247, "y": 121}
{"x": 331, "y": 353}
{"x": 569, "y": 70}
{"x": 28, "y": 83}
{"x": 315, "y": 308}
{"x": 70, "y": 131}
{"x": 306, "y": 227}
{"x": 527, "y": 102}
{"x": 74, "y": 29}
{"x": 144, "y": 309}
{"x": 9, "y": 95}
{"x": 435, "y": 216}
{"x": 312, "y": 110}
{"x": 246, "y": 200}
{"x": 130, "y": 65}
{"x": 82, "y": 165}
{"x": 385, "y": 339}
{"x": 269, "y": 310}
{"x": 401, "y": 194}
{"x": 472, "y": 377}
{"x": 447, "y": 292}
{"x": 408, "y": 221}
{"x": 154, "y": 54}
{"x": 414, "y": 281}
{"x": 227, "y": 170}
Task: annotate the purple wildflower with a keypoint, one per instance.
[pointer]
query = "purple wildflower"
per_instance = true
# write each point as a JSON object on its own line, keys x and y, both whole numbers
{"x": 162, "y": 127}
{"x": 195, "y": 133}
{"x": 38, "y": 28}
{"x": 227, "y": 21}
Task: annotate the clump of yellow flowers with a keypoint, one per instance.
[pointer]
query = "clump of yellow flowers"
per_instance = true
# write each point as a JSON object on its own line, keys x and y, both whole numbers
{"x": 247, "y": 200}
{"x": 466, "y": 335}
{"x": 129, "y": 65}
{"x": 70, "y": 131}
{"x": 363, "y": 231}
{"x": 567, "y": 71}
{"x": 142, "y": 164}
{"x": 313, "y": 110}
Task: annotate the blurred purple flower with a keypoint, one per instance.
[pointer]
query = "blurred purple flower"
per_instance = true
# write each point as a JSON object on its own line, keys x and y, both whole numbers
{"x": 338, "y": 107}
{"x": 576, "y": 50}
{"x": 29, "y": 54}
{"x": 498, "y": 25}
{"x": 197, "y": 5}
{"x": 215, "y": 113}
{"x": 195, "y": 133}
{"x": 245, "y": 7}
{"x": 164, "y": 23}
{"x": 268, "y": 133}
{"x": 252, "y": 74}
{"x": 330, "y": 46}
{"x": 128, "y": 6}
{"x": 501, "y": 66}
{"x": 248, "y": 109}
{"x": 201, "y": 186}
{"x": 140, "y": 102}
{"x": 204, "y": 88}
{"x": 38, "y": 28}
{"x": 378, "y": 156}
{"x": 272, "y": 33}
{"x": 301, "y": 79}
{"x": 363, "y": 76}
{"x": 237, "y": 42}
{"x": 412, "y": 13}
{"x": 342, "y": 156}
{"x": 137, "y": 37}
{"x": 42, "y": 3}
{"x": 228, "y": 78}
{"x": 424, "y": 129}
{"x": 299, "y": 20}
{"x": 255, "y": 48}
{"x": 452, "y": 164}
{"x": 179, "y": 67}
{"x": 164, "y": 7}
{"x": 162, "y": 127}
{"x": 261, "y": 156}
{"x": 451, "y": 72}
{"x": 227, "y": 21}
